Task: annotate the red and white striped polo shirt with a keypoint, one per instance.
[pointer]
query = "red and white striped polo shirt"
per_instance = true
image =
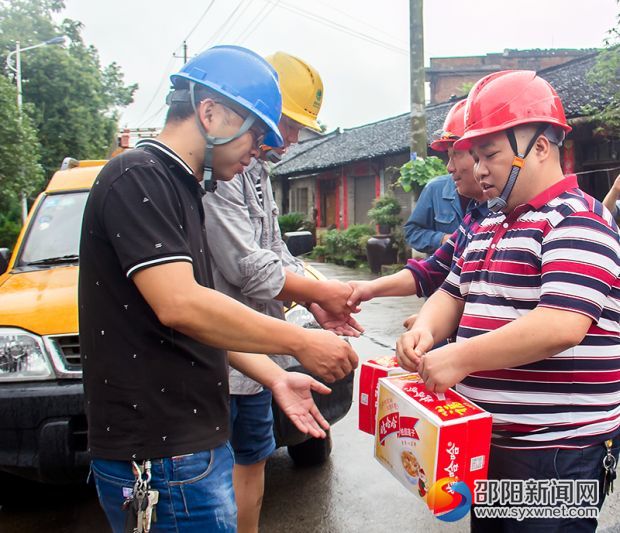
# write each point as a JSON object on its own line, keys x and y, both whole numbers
{"x": 560, "y": 250}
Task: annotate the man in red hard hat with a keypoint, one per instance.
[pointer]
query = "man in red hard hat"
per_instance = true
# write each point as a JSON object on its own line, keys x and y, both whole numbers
{"x": 423, "y": 278}
{"x": 535, "y": 299}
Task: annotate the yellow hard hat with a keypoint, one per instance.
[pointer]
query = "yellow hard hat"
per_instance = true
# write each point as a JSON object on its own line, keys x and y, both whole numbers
{"x": 301, "y": 86}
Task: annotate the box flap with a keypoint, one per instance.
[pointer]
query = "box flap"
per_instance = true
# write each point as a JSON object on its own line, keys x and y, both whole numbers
{"x": 451, "y": 407}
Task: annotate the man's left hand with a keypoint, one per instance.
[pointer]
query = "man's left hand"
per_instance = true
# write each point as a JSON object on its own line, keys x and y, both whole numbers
{"x": 292, "y": 392}
{"x": 344, "y": 325}
{"x": 442, "y": 368}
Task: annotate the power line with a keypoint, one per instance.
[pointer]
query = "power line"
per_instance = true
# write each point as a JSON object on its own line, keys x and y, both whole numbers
{"x": 163, "y": 79}
{"x": 222, "y": 27}
{"x": 166, "y": 73}
{"x": 342, "y": 28}
{"x": 223, "y": 36}
{"x": 204, "y": 14}
{"x": 253, "y": 21}
{"x": 152, "y": 116}
{"x": 357, "y": 19}
{"x": 259, "y": 21}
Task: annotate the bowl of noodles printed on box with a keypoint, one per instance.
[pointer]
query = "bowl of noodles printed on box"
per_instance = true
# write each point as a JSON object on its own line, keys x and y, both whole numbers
{"x": 411, "y": 466}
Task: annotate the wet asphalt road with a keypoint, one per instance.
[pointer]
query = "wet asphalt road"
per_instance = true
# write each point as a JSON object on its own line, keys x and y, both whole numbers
{"x": 350, "y": 493}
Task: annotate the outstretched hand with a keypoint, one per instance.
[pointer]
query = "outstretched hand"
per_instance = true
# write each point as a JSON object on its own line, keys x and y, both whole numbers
{"x": 344, "y": 325}
{"x": 334, "y": 298}
{"x": 293, "y": 393}
{"x": 362, "y": 291}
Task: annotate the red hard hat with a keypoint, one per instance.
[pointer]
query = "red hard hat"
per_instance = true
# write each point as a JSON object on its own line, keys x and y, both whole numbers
{"x": 510, "y": 98}
{"x": 453, "y": 127}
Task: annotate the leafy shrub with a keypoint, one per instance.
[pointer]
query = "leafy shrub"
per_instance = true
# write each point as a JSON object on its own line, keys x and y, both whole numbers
{"x": 291, "y": 222}
{"x": 418, "y": 172}
{"x": 349, "y": 246}
{"x": 317, "y": 252}
{"x": 385, "y": 211}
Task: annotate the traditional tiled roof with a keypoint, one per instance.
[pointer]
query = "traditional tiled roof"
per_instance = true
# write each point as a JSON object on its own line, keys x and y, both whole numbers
{"x": 391, "y": 136}
{"x": 570, "y": 80}
{"x": 385, "y": 137}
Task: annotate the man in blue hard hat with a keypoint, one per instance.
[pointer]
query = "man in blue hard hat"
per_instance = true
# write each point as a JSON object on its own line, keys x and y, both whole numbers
{"x": 153, "y": 332}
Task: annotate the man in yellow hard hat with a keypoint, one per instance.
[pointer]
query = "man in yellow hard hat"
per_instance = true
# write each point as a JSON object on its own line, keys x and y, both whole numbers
{"x": 252, "y": 264}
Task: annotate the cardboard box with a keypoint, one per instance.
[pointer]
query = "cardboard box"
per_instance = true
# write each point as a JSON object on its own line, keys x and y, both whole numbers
{"x": 370, "y": 373}
{"x": 428, "y": 443}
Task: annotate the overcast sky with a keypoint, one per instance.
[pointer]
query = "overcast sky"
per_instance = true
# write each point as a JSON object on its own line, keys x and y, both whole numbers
{"x": 360, "y": 47}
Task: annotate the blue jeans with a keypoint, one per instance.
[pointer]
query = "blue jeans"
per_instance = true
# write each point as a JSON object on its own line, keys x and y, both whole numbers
{"x": 559, "y": 463}
{"x": 251, "y": 422}
{"x": 195, "y": 491}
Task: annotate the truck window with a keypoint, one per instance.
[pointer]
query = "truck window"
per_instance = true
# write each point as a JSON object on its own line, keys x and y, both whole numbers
{"x": 55, "y": 230}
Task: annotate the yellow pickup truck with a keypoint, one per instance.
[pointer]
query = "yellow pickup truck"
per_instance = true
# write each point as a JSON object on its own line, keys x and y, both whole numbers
{"x": 42, "y": 422}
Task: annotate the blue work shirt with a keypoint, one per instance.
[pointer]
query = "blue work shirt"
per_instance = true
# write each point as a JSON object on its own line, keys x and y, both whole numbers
{"x": 438, "y": 212}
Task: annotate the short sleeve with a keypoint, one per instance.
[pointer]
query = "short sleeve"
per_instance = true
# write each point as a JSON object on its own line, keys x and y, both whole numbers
{"x": 142, "y": 219}
{"x": 580, "y": 265}
{"x": 430, "y": 273}
{"x": 452, "y": 284}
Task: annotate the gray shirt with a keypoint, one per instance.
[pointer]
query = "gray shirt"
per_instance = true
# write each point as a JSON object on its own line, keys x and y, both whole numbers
{"x": 247, "y": 251}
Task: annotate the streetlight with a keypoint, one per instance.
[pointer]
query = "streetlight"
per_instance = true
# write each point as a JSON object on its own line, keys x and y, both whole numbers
{"x": 18, "y": 77}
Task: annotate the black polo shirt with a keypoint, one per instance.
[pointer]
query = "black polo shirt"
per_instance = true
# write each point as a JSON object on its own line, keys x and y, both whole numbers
{"x": 150, "y": 390}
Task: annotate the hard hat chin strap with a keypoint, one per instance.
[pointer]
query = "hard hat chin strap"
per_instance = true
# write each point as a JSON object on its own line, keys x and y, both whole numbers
{"x": 501, "y": 202}
{"x": 208, "y": 183}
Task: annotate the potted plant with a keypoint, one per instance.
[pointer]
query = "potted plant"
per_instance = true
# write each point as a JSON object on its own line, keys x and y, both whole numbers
{"x": 385, "y": 213}
{"x": 381, "y": 249}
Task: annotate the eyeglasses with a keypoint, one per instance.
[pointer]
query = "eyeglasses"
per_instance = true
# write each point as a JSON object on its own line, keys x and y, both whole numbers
{"x": 257, "y": 131}
{"x": 258, "y": 135}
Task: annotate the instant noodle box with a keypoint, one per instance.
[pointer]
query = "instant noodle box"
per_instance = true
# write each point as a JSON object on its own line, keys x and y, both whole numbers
{"x": 423, "y": 438}
{"x": 370, "y": 373}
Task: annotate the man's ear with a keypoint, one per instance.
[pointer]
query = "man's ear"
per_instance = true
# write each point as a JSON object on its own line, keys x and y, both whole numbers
{"x": 205, "y": 112}
{"x": 543, "y": 148}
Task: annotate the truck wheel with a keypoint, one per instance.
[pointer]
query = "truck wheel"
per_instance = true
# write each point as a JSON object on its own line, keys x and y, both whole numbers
{"x": 312, "y": 452}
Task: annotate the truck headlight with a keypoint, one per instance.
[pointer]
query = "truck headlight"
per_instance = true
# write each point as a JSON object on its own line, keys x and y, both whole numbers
{"x": 23, "y": 356}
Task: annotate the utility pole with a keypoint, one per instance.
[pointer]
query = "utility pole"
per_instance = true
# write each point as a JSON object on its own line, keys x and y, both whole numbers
{"x": 417, "y": 140}
{"x": 184, "y": 53}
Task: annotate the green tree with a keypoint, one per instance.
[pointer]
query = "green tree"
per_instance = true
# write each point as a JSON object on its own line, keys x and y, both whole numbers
{"x": 75, "y": 101}
{"x": 20, "y": 170}
{"x": 606, "y": 75}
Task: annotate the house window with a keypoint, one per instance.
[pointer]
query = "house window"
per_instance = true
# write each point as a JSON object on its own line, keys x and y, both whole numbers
{"x": 300, "y": 200}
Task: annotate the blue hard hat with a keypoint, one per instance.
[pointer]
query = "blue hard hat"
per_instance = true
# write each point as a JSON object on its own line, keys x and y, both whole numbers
{"x": 242, "y": 76}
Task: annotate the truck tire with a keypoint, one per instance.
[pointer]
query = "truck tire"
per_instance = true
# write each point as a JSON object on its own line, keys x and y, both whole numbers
{"x": 312, "y": 452}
